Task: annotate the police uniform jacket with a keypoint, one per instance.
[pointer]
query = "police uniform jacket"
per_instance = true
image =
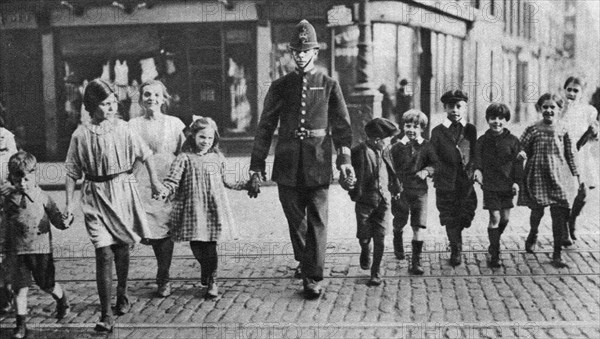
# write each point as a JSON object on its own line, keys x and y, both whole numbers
{"x": 311, "y": 113}
{"x": 455, "y": 156}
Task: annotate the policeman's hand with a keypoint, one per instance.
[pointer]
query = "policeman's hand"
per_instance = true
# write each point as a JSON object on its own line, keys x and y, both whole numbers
{"x": 347, "y": 182}
{"x": 253, "y": 185}
{"x": 478, "y": 177}
{"x": 347, "y": 170}
{"x": 422, "y": 174}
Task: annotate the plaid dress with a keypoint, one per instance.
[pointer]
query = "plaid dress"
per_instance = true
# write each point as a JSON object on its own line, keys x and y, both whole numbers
{"x": 200, "y": 208}
{"x": 550, "y": 168}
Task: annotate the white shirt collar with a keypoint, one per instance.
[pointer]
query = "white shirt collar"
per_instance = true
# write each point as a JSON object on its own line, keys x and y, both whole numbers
{"x": 405, "y": 140}
{"x": 447, "y": 122}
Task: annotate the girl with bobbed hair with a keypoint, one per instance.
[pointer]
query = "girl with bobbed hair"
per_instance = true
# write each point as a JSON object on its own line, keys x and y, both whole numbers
{"x": 103, "y": 153}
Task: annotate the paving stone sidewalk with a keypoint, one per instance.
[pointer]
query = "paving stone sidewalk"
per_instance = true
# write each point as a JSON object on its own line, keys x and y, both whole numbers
{"x": 527, "y": 298}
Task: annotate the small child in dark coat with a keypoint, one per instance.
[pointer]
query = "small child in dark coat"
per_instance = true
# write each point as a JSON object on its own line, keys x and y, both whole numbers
{"x": 498, "y": 171}
{"x": 372, "y": 190}
{"x": 454, "y": 143}
{"x": 414, "y": 161}
{"x": 30, "y": 213}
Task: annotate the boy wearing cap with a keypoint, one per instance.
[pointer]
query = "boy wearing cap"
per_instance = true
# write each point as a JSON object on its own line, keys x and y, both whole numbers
{"x": 311, "y": 113}
{"x": 454, "y": 143}
{"x": 414, "y": 161}
{"x": 375, "y": 179}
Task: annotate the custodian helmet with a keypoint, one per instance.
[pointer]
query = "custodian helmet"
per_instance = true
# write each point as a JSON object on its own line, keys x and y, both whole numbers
{"x": 304, "y": 37}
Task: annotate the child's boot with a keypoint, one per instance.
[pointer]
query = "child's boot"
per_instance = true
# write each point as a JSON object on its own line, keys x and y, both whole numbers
{"x": 454, "y": 237}
{"x": 417, "y": 248}
{"x": 398, "y": 246}
{"x": 123, "y": 305}
{"x": 557, "y": 258}
{"x": 378, "y": 248}
{"x": 559, "y": 218}
{"x": 576, "y": 210}
{"x": 104, "y": 259}
{"x": 365, "y": 253}
{"x": 63, "y": 308}
{"x": 212, "y": 291}
{"x": 494, "y": 237}
{"x": 534, "y": 221}
{"x": 20, "y": 331}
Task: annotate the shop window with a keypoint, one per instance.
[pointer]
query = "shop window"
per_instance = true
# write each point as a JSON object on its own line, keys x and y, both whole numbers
{"x": 21, "y": 89}
{"x": 209, "y": 69}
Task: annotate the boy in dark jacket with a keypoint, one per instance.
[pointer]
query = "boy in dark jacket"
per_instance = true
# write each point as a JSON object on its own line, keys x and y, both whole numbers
{"x": 372, "y": 189}
{"x": 414, "y": 160}
{"x": 498, "y": 171}
{"x": 454, "y": 143}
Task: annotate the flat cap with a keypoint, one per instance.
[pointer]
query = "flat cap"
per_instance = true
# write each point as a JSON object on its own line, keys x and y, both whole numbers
{"x": 381, "y": 128}
{"x": 454, "y": 96}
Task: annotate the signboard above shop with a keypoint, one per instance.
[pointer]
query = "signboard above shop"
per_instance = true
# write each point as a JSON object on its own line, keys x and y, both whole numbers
{"x": 339, "y": 15}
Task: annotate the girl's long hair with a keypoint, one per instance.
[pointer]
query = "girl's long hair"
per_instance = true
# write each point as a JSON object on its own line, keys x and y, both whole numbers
{"x": 197, "y": 125}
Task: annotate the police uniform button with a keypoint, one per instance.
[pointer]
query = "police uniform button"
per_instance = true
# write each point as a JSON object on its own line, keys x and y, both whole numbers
{"x": 303, "y": 112}
{"x": 304, "y": 88}
{"x": 302, "y": 128}
{"x": 301, "y": 138}
{"x": 303, "y": 95}
{"x": 303, "y": 104}
{"x": 304, "y": 80}
{"x": 302, "y": 121}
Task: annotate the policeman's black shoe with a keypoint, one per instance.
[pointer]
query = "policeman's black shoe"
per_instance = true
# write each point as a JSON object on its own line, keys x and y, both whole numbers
{"x": 123, "y": 306}
{"x": 557, "y": 260}
{"x": 312, "y": 289}
{"x": 375, "y": 280}
{"x": 62, "y": 306}
{"x": 494, "y": 263}
{"x": 455, "y": 258}
{"x": 105, "y": 324}
{"x": 567, "y": 242}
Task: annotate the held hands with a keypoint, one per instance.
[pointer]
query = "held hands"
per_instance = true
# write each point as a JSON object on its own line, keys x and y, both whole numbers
{"x": 67, "y": 218}
{"x": 253, "y": 185}
{"x": 478, "y": 177}
{"x": 422, "y": 174}
{"x": 347, "y": 177}
{"x": 161, "y": 194}
{"x": 522, "y": 156}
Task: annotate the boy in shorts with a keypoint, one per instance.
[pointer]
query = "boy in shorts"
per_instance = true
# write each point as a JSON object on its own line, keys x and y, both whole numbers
{"x": 498, "y": 171}
{"x": 414, "y": 161}
{"x": 29, "y": 215}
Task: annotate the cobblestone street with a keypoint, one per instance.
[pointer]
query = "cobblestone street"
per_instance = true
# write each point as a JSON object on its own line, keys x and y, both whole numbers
{"x": 527, "y": 298}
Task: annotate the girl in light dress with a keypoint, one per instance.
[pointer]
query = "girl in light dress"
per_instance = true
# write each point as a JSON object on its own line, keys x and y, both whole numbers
{"x": 581, "y": 119}
{"x": 163, "y": 134}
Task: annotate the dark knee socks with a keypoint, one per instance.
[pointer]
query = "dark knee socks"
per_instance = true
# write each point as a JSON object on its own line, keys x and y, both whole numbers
{"x": 163, "y": 251}
{"x": 206, "y": 254}
{"x": 378, "y": 248}
{"x": 121, "y": 253}
{"x": 534, "y": 221}
{"x": 104, "y": 266}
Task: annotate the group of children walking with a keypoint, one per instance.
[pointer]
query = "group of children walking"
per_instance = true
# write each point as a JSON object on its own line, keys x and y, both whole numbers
{"x": 391, "y": 175}
{"x": 394, "y": 178}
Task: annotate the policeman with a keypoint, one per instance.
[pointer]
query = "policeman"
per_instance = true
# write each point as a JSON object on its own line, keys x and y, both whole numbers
{"x": 311, "y": 112}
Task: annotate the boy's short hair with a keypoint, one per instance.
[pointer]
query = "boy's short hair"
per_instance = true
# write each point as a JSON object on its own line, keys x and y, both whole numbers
{"x": 21, "y": 164}
{"x": 497, "y": 110}
{"x": 416, "y": 117}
